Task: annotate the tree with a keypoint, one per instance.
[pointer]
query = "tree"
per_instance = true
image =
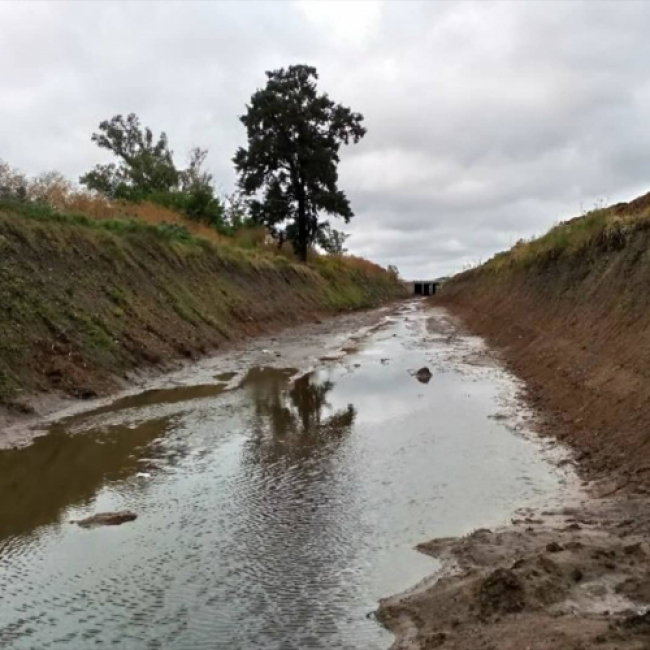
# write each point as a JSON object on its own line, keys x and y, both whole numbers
{"x": 393, "y": 270}
{"x": 291, "y": 161}
{"x": 13, "y": 183}
{"x": 236, "y": 211}
{"x": 145, "y": 165}
{"x": 332, "y": 240}
{"x": 146, "y": 171}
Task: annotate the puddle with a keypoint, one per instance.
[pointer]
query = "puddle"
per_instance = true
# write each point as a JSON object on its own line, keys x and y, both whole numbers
{"x": 274, "y": 513}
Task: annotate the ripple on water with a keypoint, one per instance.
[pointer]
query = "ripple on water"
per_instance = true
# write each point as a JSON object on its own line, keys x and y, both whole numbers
{"x": 274, "y": 512}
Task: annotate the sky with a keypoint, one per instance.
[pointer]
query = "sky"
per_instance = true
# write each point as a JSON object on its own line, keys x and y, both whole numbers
{"x": 487, "y": 121}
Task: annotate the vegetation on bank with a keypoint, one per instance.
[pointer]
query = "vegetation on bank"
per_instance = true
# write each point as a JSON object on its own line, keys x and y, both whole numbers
{"x": 288, "y": 172}
{"x": 144, "y": 260}
{"x": 596, "y": 232}
{"x": 83, "y": 299}
{"x": 571, "y": 313}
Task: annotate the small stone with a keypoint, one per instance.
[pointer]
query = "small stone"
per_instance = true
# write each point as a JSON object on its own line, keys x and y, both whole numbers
{"x": 576, "y": 575}
{"x": 106, "y": 519}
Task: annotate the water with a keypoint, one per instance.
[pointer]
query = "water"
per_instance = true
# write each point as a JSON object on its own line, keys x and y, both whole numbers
{"x": 276, "y": 506}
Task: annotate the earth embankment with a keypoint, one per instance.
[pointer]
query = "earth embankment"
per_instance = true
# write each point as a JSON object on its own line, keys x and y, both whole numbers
{"x": 83, "y": 303}
{"x": 571, "y": 314}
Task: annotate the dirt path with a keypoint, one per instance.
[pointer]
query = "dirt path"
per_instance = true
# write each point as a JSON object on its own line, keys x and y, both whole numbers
{"x": 571, "y": 579}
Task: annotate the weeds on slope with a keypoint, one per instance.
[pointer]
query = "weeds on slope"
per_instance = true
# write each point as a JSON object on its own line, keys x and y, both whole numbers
{"x": 600, "y": 230}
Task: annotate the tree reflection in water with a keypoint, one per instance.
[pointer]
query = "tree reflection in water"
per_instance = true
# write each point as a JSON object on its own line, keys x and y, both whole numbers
{"x": 295, "y": 505}
{"x": 293, "y": 421}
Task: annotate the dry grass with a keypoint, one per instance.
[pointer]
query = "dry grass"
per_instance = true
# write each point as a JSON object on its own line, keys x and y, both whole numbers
{"x": 59, "y": 193}
{"x": 601, "y": 229}
{"x": 52, "y": 189}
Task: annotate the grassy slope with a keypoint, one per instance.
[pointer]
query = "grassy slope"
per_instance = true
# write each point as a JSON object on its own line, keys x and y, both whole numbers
{"x": 571, "y": 311}
{"x": 82, "y": 301}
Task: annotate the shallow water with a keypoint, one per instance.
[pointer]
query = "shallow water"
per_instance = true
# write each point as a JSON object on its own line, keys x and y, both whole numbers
{"x": 276, "y": 506}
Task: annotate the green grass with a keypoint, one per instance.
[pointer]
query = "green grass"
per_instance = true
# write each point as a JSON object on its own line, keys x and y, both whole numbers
{"x": 598, "y": 231}
{"x": 82, "y": 299}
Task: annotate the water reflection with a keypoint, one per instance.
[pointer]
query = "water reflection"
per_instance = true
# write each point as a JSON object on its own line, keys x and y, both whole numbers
{"x": 294, "y": 510}
{"x": 67, "y": 470}
{"x": 293, "y": 420}
{"x": 278, "y": 512}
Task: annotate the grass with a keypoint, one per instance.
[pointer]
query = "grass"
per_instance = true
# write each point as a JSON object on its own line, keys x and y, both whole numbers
{"x": 83, "y": 298}
{"x": 165, "y": 225}
{"x": 597, "y": 231}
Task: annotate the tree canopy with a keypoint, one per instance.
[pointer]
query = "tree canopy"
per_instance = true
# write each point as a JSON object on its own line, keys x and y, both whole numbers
{"x": 146, "y": 171}
{"x": 291, "y": 162}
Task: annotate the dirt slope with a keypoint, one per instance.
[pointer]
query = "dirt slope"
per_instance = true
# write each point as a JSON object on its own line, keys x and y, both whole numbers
{"x": 575, "y": 324}
{"x": 81, "y": 305}
{"x": 570, "y": 313}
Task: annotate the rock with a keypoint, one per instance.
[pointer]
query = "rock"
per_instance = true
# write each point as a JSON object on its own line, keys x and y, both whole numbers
{"x": 554, "y": 547}
{"x": 637, "y": 622}
{"x": 106, "y": 519}
{"x": 423, "y": 375}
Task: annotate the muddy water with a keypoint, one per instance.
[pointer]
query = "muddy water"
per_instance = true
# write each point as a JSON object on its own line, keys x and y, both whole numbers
{"x": 276, "y": 504}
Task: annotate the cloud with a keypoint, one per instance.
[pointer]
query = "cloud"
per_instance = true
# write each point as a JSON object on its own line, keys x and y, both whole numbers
{"x": 487, "y": 122}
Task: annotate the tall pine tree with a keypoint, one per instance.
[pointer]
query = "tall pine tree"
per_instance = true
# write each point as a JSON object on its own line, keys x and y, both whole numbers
{"x": 291, "y": 162}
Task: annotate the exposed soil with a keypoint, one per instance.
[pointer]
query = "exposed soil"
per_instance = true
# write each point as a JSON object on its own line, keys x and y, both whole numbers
{"x": 576, "y": 329}
{"x": 578, "y": 334}
{"x": 80, "y": 309}
{"x": 573, "y": 579}
{"x": 570, "y": 580}
{"x": 281, "y": 347}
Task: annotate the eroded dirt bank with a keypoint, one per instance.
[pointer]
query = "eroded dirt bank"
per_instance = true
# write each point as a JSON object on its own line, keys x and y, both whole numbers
{"x": 570, "y": 315}
{"x": 572, "y": 578}
{"x": 309, "y": 342}
{"x": 80, "y": 306}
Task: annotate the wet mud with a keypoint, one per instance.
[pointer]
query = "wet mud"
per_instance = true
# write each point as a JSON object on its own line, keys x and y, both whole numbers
{"x": 278, "y": 495}
{"x": 574, "y": 577}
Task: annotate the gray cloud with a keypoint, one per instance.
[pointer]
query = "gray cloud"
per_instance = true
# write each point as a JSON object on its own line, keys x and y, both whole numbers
{"x": 487, "y": 121}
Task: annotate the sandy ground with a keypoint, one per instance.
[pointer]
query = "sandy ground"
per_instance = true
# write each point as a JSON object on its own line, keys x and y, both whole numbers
{"x": 568, "y": 579}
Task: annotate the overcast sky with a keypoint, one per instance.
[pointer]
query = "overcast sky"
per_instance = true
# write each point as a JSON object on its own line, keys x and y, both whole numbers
{"x": 486, "y": 122}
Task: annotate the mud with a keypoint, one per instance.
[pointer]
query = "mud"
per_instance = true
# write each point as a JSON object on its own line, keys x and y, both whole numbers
{"x": 573, "y": 578}
{"x": 578, "y": 579}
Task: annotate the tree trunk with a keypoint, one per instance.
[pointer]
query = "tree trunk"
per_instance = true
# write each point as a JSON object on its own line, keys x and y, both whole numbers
{"x": 302, "y": 226}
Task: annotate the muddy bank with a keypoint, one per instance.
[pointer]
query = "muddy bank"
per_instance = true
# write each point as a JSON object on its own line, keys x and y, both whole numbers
{"x": 573, "y": 578}
{"x": 82, "y": 307}
{"x": 576, "y": 329}
{"x": 569, "y": 315}
{"x": 301, "y": 347}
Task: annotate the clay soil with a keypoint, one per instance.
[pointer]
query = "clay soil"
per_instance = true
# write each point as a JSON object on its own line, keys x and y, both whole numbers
{"x": 577, "y": 331}
{"x": 82, "y": 308}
